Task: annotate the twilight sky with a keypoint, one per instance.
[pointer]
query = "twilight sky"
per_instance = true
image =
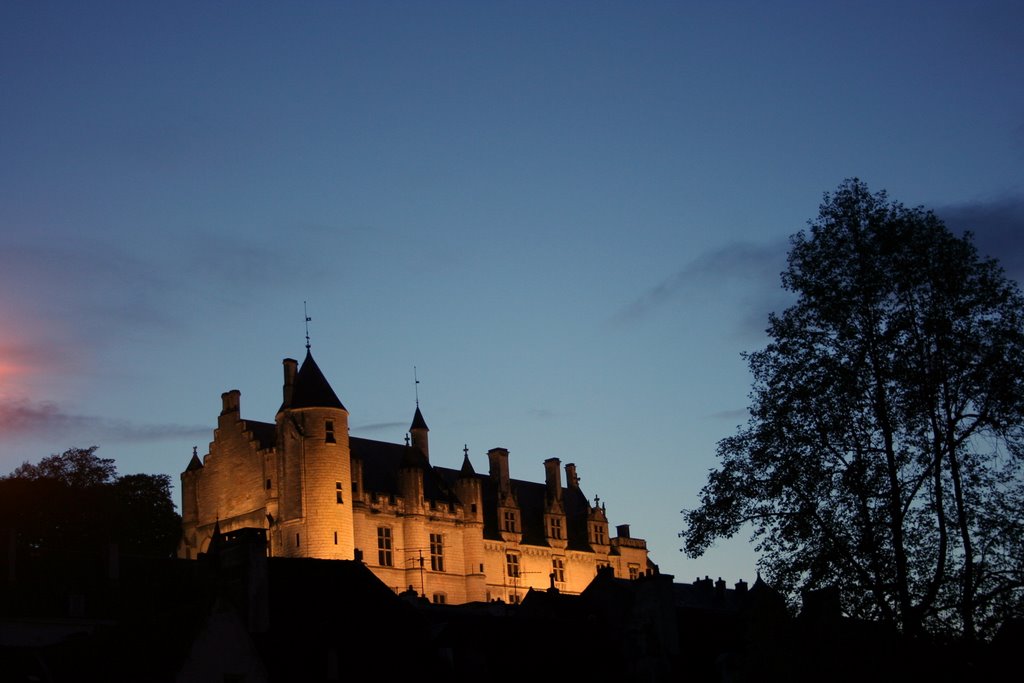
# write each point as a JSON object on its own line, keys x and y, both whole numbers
{"x": 569, "y": 217}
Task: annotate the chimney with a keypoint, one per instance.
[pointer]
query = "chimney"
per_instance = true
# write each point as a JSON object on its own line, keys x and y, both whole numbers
{"x": 291, "y": 367}
{"x": 720, "y": 588}
{"x": 498, "y": 458}
{"x": 230, "y": 401}
{"x": 741, "y": 587}
{"x": 622, "y": 530}
{"x": 553, "y": 477}
{"x": 571, "y": 480}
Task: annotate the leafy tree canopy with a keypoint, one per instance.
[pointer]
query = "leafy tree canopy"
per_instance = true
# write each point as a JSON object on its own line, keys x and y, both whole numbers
{"x": 75, "y": 501}
{"x": 883, "y": 451}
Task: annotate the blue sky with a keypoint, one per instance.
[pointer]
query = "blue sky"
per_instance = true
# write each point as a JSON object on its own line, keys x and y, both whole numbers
{"x": 568, "y": 217}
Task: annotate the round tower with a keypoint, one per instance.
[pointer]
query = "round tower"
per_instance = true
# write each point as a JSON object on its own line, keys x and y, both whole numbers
{"x": 189, "y": 546}
{"x": 420, "y": 433}
{"x": 469, "y": 491}
{"x": 315, "y": 468}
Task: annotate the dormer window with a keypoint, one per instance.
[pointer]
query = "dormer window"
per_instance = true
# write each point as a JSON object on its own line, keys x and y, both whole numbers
{"x": 329, "y": 431}
{"x": 510, "y": 520}
{"x": 555, "y": 527}
{"x": 600, "y": 537}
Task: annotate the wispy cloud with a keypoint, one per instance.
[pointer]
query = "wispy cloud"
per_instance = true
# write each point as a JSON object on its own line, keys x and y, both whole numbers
{"x": 25, "y": 418}
{"x": 998, "y": 227}
{"x": 755, "y": 267}
{"x": 380, "y": 426}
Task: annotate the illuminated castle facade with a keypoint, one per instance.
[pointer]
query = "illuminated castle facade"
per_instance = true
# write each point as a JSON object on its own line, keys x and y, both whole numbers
{"x": 452, "y": 535}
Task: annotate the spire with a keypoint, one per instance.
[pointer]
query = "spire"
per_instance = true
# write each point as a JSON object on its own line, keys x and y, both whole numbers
{"x": 216, "y": 540}
{"x": 467, "y": 467}
{"x": 195, "y": 463}
{"x": 419, "y": 433}
{"x": 417, "y": 420}
{"x": 312, "y": 389}
{"x": 305, "y": 314}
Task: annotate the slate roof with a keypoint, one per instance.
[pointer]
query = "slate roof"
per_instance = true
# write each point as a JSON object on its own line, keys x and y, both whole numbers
{"x": 265, "y": 433}
{"x": 312, "y": 390}
{"x": 531, "y": 497}
{"x": 382, "y": 460}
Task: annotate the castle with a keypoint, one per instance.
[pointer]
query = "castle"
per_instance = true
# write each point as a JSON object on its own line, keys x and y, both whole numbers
{"x": 451, "y": 535}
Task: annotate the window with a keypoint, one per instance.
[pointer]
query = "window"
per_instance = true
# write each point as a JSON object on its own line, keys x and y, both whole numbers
{"x": 335, "y": 538}
{"x": 439, "y": 599}
{"x": 513, "y": 598}
{"x": 558, "y": 569}
{"x": 296, "y": 540}
{"x": 510, "y": 520}
{"x": 512, "y": 564}
{"x": 599, "y": 535}
{"x": 634, "y": 572}
{"x": 268, "y": 484}
{"x": 384, "y": 557}
{"x": 472, "y": 508}
{"x": 329, "y": 431}
{"x": 436, "y": 552}
{"x": 555, "y": 527}
{"x": 337, "y": 492}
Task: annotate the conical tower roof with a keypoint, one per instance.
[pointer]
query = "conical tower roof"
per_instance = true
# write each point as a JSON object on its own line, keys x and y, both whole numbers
{"x": 467, "y": 471}
{"x": 195, "y": 463}
{"x": 417, "y": 420}
{"x": 312, "y": 390}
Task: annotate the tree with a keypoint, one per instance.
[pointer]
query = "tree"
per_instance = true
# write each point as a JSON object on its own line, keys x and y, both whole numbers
{"x": 75, "y": 467}
{"x": 882, "y": 455}
{"x": 75, "y": 503}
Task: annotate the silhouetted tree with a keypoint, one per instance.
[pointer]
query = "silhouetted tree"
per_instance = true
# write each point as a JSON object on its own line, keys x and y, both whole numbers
{"x": 883, "y": 451}
{"x": 75, "y": 467}
{"x": 75, "y": 503}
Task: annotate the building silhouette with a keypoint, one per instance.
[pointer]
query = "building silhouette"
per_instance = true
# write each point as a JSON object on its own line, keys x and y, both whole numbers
{"x": 452, "y": 535}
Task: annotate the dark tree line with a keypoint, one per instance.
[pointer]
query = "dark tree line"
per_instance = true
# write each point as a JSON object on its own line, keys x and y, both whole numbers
{"x": 75, "y": 502}
{"x": 884, "y": 447}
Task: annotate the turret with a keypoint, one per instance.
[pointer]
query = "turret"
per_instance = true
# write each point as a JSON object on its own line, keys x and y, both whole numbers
{"x": 410, "y": 479}
{"x": 190, "y": 506}
{"x": 419, "y": 433}
{"x": 467, "y": 488}
{"x": 315, "y": 508}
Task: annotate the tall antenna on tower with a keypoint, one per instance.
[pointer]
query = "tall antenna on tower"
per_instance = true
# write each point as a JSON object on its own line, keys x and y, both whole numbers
{"x": 416, "y": 385}
{"x": 306, "y": 314}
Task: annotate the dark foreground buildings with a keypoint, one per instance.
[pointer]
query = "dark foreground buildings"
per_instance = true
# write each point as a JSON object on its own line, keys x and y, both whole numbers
{"x": 238, "y": 615}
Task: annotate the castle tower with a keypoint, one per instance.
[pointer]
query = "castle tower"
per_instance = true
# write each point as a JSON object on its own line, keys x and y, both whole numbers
{"x": 469, "y": 491}
{"x": 189, "y": 507}
{"x": 314, "y": 468}
{"x": 419, "y": 433}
